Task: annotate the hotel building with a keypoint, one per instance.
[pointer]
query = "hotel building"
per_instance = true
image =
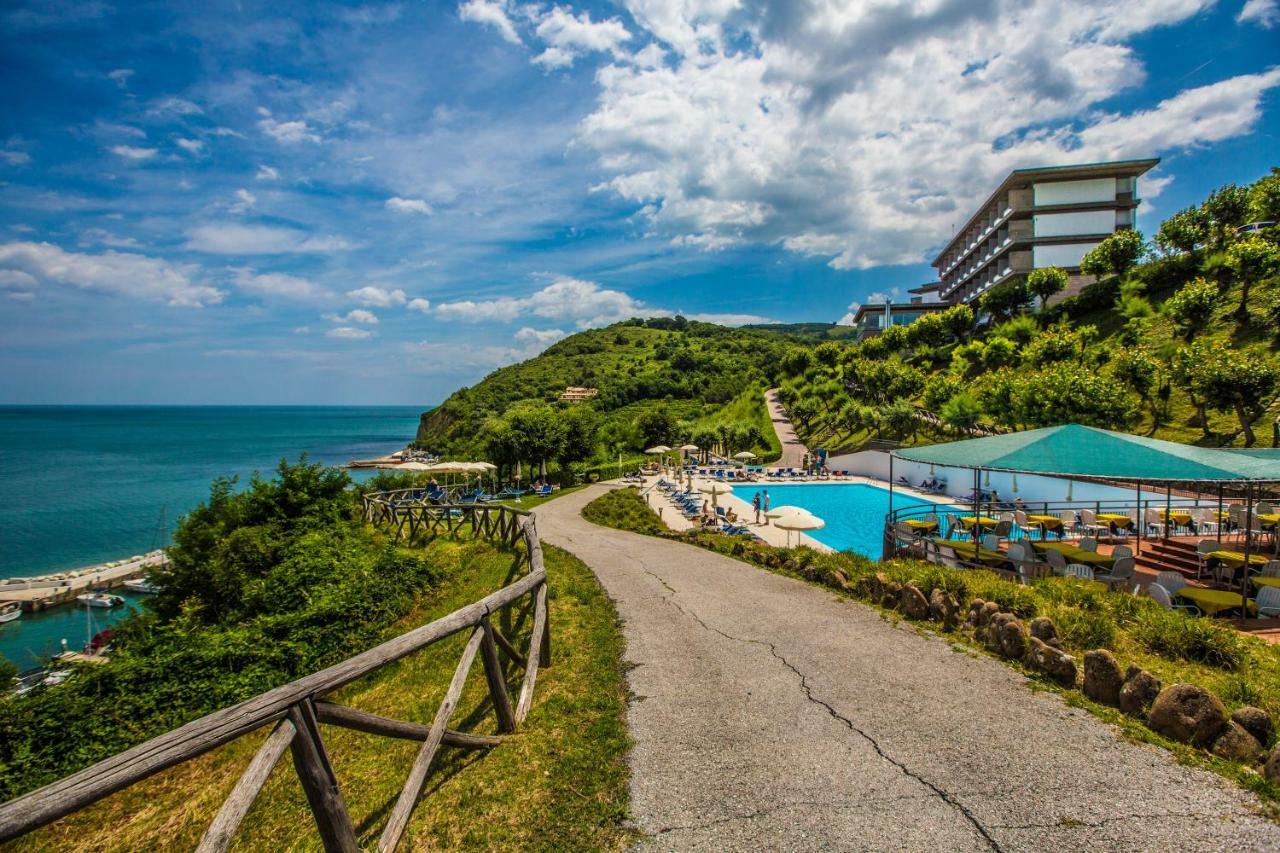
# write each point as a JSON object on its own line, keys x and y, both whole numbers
{"x": 1042, "y": 217}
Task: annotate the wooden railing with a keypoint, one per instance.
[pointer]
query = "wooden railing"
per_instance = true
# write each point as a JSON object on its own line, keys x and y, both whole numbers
{"x": 296, "y": 710}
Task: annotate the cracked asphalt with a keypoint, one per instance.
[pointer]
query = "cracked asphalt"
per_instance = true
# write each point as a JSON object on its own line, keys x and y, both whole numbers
{"x": 769, "y": 714}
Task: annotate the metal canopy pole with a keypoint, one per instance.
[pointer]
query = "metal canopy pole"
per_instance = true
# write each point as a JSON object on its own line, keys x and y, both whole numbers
{"x": 1168, "y": 508}
{"x": 1142, "y": 519}
{"x": 1248, "y": 544}
{"x": 889, "y": 523}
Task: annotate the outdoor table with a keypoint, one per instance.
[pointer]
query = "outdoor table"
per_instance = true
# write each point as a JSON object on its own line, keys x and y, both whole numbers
{"x": 1046, "y": 522}
{"x": 964, "y": 551}
{"x": 1213, "y": 601}
{"x": 1235, "y": 559}
{"x": 1259, "y": 580}
{"x": 1075, "y": 554}
{"x": 1269, "y": 519}
{"x": 1115, "y": 520}
{"x": 967, "y": 521}
{"x": 1182, "y": 519}
{"x": 921, "y": 523}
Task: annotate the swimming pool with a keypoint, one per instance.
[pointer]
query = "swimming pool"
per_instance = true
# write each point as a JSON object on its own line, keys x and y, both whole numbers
{"x": 854, "y": 512}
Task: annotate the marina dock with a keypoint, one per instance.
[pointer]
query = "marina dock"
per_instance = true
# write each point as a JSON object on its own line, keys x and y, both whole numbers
{"x": 37, "y": 593}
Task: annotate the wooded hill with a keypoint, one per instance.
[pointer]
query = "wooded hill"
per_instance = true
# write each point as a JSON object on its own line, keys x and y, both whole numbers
{"x": 1178, "y": 338}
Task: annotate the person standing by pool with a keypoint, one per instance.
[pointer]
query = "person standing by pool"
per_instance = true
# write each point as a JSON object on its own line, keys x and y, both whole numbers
{"x": 755, "y": 504}
{"x": 765, "y": 503}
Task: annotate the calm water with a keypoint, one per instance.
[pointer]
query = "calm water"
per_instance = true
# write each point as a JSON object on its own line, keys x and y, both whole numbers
{"x": 83, "y": 485}
{"x": 854, "y": 512}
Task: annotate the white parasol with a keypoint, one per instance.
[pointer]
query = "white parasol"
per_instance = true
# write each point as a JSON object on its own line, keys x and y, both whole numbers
{"x": 795, "y": 518}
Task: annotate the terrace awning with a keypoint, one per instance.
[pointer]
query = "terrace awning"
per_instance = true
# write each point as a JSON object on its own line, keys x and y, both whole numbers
{"x": 1085, "y": 452}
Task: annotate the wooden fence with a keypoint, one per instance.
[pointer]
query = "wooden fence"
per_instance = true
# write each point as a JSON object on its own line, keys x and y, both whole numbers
{"x": 297, "y": 709}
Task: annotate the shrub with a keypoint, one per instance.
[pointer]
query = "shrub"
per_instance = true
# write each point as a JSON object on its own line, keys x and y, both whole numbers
{"x": 1199, "y": 640}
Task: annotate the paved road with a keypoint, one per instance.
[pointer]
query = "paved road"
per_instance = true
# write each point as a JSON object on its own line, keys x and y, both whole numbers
{"x": 793, "y": 449}
{"x": 770, "y": 715}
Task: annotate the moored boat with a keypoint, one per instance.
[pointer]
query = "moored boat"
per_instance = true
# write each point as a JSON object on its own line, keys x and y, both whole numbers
{"x": 141, "y": 585}
{"x": 9, "y": 611}
{"x": 100, "y": 599}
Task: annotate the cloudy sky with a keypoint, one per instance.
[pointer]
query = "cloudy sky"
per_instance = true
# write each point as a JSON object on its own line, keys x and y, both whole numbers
{"x": 322, "y": 203}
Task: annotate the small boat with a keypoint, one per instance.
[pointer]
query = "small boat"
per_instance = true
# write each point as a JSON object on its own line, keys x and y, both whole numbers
{"x": 141, "y": 585}
{"x": 9, "y": 611}
{"x": 100, "y": 599}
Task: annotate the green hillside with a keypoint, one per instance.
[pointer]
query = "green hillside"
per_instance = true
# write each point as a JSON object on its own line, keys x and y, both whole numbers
{"x": 661, "y": 381}
{"x": 1178, "y": 338}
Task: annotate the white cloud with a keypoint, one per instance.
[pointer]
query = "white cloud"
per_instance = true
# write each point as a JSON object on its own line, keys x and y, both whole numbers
{"x": 244, "y": 202}
{"x": 104, "y": 237}
{"x": 730, "y": 319}
{"x": 861, "y": 132}
{"x": 420, "y": 304}
{"x": 491, "y": 13}
{"x": 377, "y": 297}
{"x": 288, "y": 132}
{"x": 356, "y": 315}
{"x": 348, "y": 333}
{"x": 1264, "y": 13}
{"x": 539, "y": 337}
{"x": 120, "y": 76}
{"x": 408, "y": 205}
{"x": 568, "y": 36}
{"x": 267, "y": 173}
{"x": 168, "y": 107}
{"x": 15, "y": 158}
{"x": 131, "y": 152}
{"x": 123, "y": 273}
{"x": 191, "y": 146}
{"x": 846, "y": 320}
{"x": 232, "y": 238}
{"x": 277, "y": 284}
{"x": 584, "y": 302}
{"x": 21, "y": 296}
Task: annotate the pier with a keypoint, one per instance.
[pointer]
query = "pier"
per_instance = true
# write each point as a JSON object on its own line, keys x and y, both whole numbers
{"x": 37, "y": 593}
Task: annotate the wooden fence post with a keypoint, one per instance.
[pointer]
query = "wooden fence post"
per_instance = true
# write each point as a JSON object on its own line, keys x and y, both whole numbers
{"x": 497, "y": 683}
{"x": 319, "y": 783}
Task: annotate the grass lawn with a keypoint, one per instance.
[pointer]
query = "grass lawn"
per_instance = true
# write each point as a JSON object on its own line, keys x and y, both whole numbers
{"x": 558, "y": 784}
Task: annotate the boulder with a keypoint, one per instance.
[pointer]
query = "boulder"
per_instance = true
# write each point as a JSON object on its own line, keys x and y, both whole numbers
{"x": 839, "y": 579}
{"x": 1189, "y": 714}
{"x": 1139, "y": 690}
{"x": 1042, "y": 628}
{"x": 989, "y": 610}
{"x": 1102, "y": 678}
{"x": 1055, "y": 663}
{"x": 975, "y": 607}
{"x": 913, "y": 602}
{"x": 1256, "y": 722}
{"x": 942, "y": 608}
{"x": 1272, "y": 768}
{"x": 1013, "y": 638}
{"x": 990, "y": 634}
{"x": 1236, "y": 743}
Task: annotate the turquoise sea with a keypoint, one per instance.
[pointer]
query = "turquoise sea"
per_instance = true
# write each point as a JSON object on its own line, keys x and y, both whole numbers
{"x": 81, "y": 485}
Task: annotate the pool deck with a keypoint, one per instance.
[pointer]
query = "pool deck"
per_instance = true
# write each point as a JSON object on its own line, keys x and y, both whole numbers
{"x": 742, "y": 506}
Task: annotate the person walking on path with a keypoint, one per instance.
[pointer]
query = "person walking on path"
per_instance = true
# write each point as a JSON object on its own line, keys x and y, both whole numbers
{"x": 766, "y": 507}
{"x": 755, "y": 504}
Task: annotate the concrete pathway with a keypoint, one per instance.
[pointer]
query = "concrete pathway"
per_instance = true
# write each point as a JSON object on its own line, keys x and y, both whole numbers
{"x": 793, "y": 449}
{"x": 770, "y": 715}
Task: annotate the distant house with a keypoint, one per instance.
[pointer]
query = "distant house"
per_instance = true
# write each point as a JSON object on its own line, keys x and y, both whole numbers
{"x": 574, "y": 394}
{"x": 873, "y": 318}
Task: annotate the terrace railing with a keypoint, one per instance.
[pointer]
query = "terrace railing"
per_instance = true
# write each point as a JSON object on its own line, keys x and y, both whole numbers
{"x": 295, "y": 711}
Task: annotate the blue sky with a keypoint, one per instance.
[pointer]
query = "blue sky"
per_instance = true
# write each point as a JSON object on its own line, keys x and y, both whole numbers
{"x": 327, "y": 203}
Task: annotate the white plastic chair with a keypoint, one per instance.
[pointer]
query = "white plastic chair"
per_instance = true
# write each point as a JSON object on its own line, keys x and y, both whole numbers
{"x": 1206, "y": 520}
{"x": 1056, "y": 561}
{"x": 1080, "y": 570}
{"x": 1161, "y": 596}
{"x": 1268, "y": 601}
{"x": 1203, "y": 549}
{"x": 1121, "y": 551}
{"x": 1089, "y": 543}
{"x": 1171, "y": 582}
{"x": 991, "y": 542}
{"x": 1121, "y": 573}
{"x": 1155, "y": 522}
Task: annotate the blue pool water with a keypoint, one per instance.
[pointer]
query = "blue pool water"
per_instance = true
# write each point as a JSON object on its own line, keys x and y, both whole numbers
{"x": 854, "y": 512}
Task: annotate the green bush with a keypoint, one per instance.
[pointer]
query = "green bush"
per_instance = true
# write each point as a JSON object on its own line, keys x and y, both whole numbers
{"x": 625, "y": 509}
{"x": 1198, "y": 640}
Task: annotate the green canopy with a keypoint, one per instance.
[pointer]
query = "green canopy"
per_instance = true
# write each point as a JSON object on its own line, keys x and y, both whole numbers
{"x": 1078, "y": 451}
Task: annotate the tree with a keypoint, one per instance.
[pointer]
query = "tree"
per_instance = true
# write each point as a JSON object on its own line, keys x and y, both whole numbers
{"x": 1264, "y": 198}
{"x": 1236, "y": 381}
{"x": 796, "y": 361}
{"x": 1006, "y": 300}
{"x": 1059, "y": 343}
{"x": 1045, "y": 282}
{"x": 961, "y": 412}
{"x": 1192, "y": 307}
{"x": 940, "y": 388}
{"x": 827, "y": 353}
{"x": 804, "y": 411}
{"x": 1183, "y": 232}
{"x": 656, "y": 426}
{"x": 959, "y": 321}
{"x": 899, "y": 419}
{"x": 1184, "y": 369}
{"x": 1226, "y": 209}
{"x": 581, "y": 430}
{"x": 1115, "y": 255}
{"x": 1139, "y": 371}
{"x": 538, "y": 431}
{"x": 1070, "y": 393}
{"x": 1251, "y": 260}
